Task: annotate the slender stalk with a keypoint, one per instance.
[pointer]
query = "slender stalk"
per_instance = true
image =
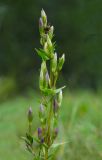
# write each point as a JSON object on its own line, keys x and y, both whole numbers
{"x": 46, "y": 154}
{"x": 30, "y": 127}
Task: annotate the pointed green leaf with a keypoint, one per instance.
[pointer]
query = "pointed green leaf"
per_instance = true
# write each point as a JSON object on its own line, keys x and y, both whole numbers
{"x": 48, "y": 91}
{"x": 58, "y": 144}
{"x": 30, "y": 138}
{"x": 42, "y": 54}
{"x": 58, "y": 90}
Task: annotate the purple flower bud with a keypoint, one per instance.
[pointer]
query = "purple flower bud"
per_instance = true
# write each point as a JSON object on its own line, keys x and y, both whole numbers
{"x": 30, "y": 115}
{"x": 40, "y": 22}
{"x": 39, "y": 132}
{"x": 55, "y": 106}
{"x": 56, "y": 132}
{"x": 42, "y": 140}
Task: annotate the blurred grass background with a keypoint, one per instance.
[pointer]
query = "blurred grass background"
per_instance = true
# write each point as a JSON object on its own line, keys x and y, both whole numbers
{"x": 78, "y": 33}
{"x": 80, "y": 125}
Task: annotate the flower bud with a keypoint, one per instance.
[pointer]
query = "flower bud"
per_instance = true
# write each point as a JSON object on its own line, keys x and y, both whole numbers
{"x": 42, "y": 140}
{"x": 61, "y": 62}
{"x": 55, "y": 106}
{"x": 40, "y": 23}
{"x": 30, "y": 115}
{"x": 55, "y": 132}
{"x": 39, "y": 133}
{"x": 60, "y": 98}
{"x": 51, "y": 32}
{"x": 47, "y": 78}
{"x": 46, "y": 47}
{"x": 42, "y": 114}
{"x": 44, "y": 17}
{"x": 49, "y": 41}
{"x": 54, "y": 63}
{"x": 41, "y": 108}
{"x": 43, "y": 67}
{"x": 41, "y": 80}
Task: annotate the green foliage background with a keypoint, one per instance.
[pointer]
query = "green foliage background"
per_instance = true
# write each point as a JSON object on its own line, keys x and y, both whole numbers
{"x": 78, "y": 31}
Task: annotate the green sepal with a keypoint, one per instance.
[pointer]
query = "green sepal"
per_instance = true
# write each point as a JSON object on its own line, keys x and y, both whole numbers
{"x": 48, "y": 91}
{"x": 42, "y": 54}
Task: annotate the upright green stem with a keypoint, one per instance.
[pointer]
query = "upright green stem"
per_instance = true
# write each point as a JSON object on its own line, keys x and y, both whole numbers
{"x": 47, "y": 131}
{"x": 46, "y": 154}
{"x": 30, "y": 127}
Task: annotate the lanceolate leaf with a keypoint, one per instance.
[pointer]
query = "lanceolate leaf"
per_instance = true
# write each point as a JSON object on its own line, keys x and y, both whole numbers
{"x": 58, "y": 90}
{"x": 51, "y": 91}
{"x": 58, "y": 144}
{"x": 42, "y": 54}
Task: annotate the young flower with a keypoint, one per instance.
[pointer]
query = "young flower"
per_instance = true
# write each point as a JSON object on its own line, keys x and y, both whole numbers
{"x": 54, "y": 63}
{"x": 61, "y": 62}
{"x": 52, "y": 29}
{"x": 47, "y": 78}
{"x": 41, "y": 108}
{"x": 40, "y": 25}
{"x": 55, "y": 106}
{"x": 55, "y": 132}
{"x": 39, "y": 133}
{"x": 40, "y": 22}
{"x": 51, "y": 32}
{"x": 46, "y": 47}
{"x": 43, "y": 70}
{"x": 49, "y": 41}
{"x": 60, "y": 98}
{"x": 42, "y": 114}
{"x": 44, "y": 17}
{"x": 42, "y": 140}
{"x": 30, "y": 115}
{"x": 43, "y": 67}
{"x": 41, "y": 80}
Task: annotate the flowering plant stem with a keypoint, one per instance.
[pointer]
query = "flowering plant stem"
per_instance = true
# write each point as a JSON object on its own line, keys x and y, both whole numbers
{"x": 51, "y": 96}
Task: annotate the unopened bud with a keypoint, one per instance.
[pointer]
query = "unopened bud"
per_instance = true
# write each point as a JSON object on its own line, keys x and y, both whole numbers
{"x": 49, "y": 41}
{"x": 41, "y": 108}
{"x": 42, "y": 140}
{"x": 54, "y": 63}
{"x": 41, "y": 80}
{"x": 60, "y": 98}
{"x": 42, "y": 113}
{"x": 44, "y": 17}
{"x": 30, "y": 115}
{"x": 39, "y": 133}
{"x": 46, "y": 47}
{"x": 61, "y": 62}
{"x": 40, "y": 23}
{"x": 47, "y": 77}
{"x": 43, "y": 67}
{"x": 51, "y": 32}
{"x": 55, "y": 132}
{"x": 55, "y": 106}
